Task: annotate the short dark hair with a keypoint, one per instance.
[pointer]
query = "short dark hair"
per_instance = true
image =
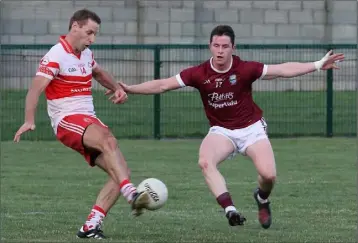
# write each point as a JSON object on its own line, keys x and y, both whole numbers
{"x": 223, "y": 30}
{"x": 82, "y": 16}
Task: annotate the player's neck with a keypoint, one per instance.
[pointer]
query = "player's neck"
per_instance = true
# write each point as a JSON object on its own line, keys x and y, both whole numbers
{"x": 221, "y": 68}
{"x": 71, "y": 41}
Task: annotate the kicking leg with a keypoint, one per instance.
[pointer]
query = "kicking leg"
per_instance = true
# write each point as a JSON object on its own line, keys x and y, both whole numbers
{"x": 262, "y": 155}
{"x": 111, "y": 160}
{"x": 214, "y": 149}
{"x": 100, "y": 139}
{"x": 110, "y": 193}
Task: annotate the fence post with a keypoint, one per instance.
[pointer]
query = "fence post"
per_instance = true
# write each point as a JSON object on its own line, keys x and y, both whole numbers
{"x": 157, "y": 64}
{"x": 329, "y": 119}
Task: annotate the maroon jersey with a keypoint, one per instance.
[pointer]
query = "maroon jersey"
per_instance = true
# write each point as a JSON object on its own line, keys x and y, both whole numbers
{"x": 226, "y": 95}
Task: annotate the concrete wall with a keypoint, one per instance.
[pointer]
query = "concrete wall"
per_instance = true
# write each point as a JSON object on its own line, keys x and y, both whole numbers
{"x": 131, "y": 21}
{"x": 151, "y": 22}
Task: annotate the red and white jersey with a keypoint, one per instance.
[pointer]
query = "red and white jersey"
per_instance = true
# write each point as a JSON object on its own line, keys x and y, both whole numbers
{"x": 69, "y": 91}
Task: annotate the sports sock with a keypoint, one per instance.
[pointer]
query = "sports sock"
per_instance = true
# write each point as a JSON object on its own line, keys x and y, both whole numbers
{"x": 262, "y": 195}
{"x": 225, "y": 201}
{"x": 128, "y": 190}
{"x": 94, "y": 218}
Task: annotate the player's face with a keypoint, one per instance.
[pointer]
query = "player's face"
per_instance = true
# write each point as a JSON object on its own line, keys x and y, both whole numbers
{"x": 86, "y": 34}
{"x": 221, "y": 49}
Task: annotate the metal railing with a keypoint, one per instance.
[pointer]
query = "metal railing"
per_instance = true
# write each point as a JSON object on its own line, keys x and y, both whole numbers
{"x": 317, "y": 104}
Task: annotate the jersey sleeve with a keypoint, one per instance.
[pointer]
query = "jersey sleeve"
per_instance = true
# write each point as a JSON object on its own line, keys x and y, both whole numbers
{"x": 257, "y": 70}
{"x": 49, "y": 66}
{"x": 187, "y": 77}
{"x": 94, "y": 63}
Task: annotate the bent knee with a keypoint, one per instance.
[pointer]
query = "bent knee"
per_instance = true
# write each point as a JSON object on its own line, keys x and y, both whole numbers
{"x": 108, "y": 143}
{"x": 205, "y": 164}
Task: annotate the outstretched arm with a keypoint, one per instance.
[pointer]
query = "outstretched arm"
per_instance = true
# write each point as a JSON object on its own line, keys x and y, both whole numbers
{"x": 153, "y": 87}
{"x": 294, "y": 69}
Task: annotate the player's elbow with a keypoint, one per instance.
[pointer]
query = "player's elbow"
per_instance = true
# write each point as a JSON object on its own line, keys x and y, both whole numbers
{"x": 164, "y": 86}
{"x": 291, "y": 70}
{"x": 279, "y": 71}
{"x": 287, "y": 74}
{"x": 35, "y": 91}
{"x": 96, "y": 75}
{"x": 270, "y": 77}
{"x": 281, "y": 74}
{"x": 168, "y": 84}
{"x": 97, "y": 72}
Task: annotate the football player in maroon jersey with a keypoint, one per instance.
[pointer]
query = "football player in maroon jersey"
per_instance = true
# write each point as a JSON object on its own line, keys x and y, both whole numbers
{"x": 236, "y": 122}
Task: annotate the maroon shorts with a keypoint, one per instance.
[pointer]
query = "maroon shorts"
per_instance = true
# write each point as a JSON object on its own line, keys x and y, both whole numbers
{"x": 70, "y": 132}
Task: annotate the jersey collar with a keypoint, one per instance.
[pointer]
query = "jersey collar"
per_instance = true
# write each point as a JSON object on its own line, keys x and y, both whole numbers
{"x": 218, "y": 71}
{"x": 67, "y": 47}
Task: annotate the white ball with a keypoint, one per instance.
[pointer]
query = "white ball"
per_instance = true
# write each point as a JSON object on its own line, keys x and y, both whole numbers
{"x": 157, "y": 190}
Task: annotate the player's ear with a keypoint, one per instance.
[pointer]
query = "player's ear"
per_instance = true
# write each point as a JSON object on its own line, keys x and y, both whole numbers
{"x": 76, "y": 25}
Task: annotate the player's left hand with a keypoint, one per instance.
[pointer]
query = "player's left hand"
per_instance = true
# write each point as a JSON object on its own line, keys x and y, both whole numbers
{"x": 118, "y": 96}
{"x": 27, "y": 126}
{"x": 330, "y": 60}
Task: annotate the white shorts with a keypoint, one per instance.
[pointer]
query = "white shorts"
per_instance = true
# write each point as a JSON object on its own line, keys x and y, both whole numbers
{"x": 243, "y": 137}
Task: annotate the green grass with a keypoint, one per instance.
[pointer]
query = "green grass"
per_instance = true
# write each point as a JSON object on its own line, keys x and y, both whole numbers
{"x": 182, "y": 115}
{"x": 47, "y": 191}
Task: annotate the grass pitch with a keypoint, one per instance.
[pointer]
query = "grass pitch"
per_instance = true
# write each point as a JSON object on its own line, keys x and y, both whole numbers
{"x": 47, "y": 191}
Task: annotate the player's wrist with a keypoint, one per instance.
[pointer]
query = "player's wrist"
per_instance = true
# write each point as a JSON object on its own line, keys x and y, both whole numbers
{"x": 128, "y": 89}
{"x": 30, "y": 123}
{"x": 318, "y": 64}
{"x": 116, "y": 87}
{"x": 29, "y": 119}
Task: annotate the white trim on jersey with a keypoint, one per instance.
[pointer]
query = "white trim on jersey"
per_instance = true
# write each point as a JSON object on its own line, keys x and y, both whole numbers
{"x": 74, "y": 82}
{"x": 44, "y": 75}
{"x": 264, "y": 71}
{"x": 180, "y": 80}
{"x": 218, "y": 71}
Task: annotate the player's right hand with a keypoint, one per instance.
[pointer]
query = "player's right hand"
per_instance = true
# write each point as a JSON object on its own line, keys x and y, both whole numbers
{"x": 24, "y": 128}
{"x": 119, "y": 96}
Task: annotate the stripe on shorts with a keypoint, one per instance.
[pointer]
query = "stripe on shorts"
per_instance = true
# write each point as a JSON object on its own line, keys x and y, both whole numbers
{"x": 72, "y": 127}
{"x": 99, "y": 121}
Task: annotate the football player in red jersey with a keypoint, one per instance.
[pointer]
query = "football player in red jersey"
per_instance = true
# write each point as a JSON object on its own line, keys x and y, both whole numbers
{"x": 236, "y": 122}
{"x": 65, "y": 76}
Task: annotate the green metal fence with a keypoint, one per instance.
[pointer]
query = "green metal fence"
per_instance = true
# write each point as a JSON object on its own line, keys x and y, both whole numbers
{"x": 318, "y": 104}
